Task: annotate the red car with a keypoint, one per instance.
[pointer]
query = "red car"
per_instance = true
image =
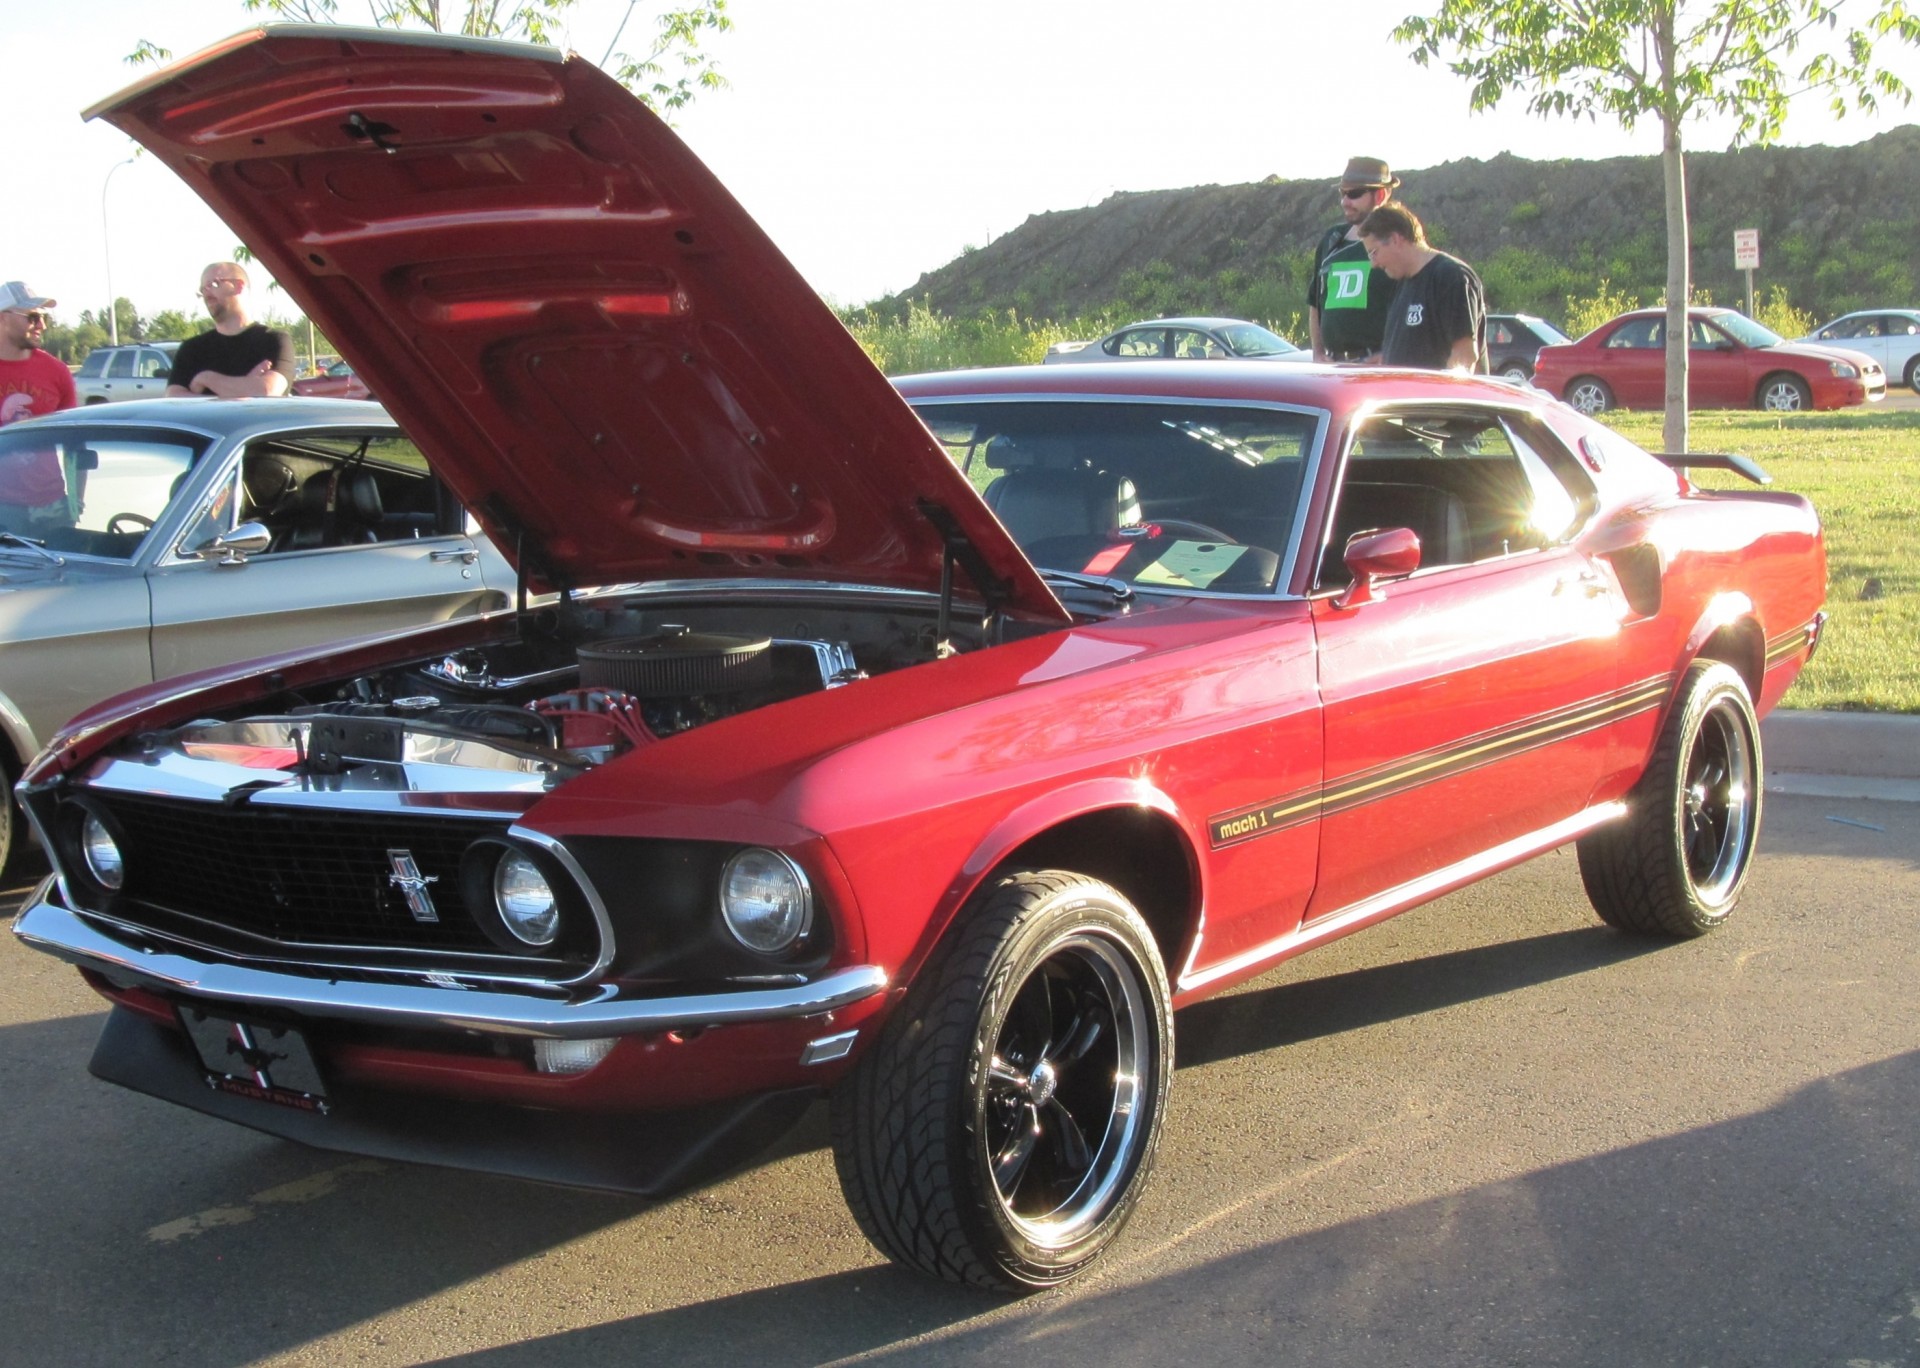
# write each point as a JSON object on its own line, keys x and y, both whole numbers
{"x": 930, "y": 746}
{"x": 337, "y": 381}
{"x": 1732, "y": 362}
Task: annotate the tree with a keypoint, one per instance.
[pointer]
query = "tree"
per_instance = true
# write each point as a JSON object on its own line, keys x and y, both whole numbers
{"x": 667, "y": 75}
{"x": 1671, "y": 60}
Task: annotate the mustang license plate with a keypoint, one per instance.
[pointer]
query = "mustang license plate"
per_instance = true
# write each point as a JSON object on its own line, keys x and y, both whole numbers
{"x": 253, "y": 1059}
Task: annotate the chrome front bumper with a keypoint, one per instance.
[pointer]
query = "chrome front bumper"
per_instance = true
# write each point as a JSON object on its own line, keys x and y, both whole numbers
{"x": 518, "y": 1009}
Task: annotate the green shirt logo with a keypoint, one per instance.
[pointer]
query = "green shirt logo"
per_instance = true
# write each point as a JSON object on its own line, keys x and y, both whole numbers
{"x": 1347, "y": 284}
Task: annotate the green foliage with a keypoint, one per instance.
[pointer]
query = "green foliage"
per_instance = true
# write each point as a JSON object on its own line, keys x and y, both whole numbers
{"x": 923, "y": 340}
{"x": 1774, "y": 310}
{"x": 1526, "y": 211}
{"x": 1587, "y": 312}
{"x": 667, "y": 74}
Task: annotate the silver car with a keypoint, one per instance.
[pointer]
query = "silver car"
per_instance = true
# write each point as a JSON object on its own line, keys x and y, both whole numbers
{"x": 196, "y": 532}
{"x": 1889, "y": 336}
{"x": 1181, "y": 339}
{"x": 136, "y": 371}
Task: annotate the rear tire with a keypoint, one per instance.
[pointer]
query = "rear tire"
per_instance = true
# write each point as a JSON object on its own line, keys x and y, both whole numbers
{"x": 1516, "y": 370}
{"x": 1784, "y": 394}
{"x": 1913, "y": 373}
{"x": 1589, "y": 394}
{"x": 1674, "y": 866}
{"x": 1000, "y": 1129}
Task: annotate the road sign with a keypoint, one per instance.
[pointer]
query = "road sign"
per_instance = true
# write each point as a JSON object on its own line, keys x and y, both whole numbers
{"x": 1746, "y": 249}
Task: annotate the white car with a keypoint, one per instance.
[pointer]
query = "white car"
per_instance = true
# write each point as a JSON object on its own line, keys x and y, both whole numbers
{"x": 135, "y": 371}
{"x": 1889, "y": 336}
{"x": 1182, "y": 339}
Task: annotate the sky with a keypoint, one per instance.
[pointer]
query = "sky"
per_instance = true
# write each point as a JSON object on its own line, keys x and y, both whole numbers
{"x": 874, "y": 140}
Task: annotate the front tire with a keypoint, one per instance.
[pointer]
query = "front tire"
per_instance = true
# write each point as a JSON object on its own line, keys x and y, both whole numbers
{"x": 1675, "y": 864}
{"x": 1590, "y": 395}
{"x": 1784, "y": 394}
{"x": 1517, "y": 371}
{"x": 1001, "y": 1128}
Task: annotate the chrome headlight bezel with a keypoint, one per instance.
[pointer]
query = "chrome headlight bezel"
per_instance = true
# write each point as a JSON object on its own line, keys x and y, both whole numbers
{"x": 766, "y": 901}
{"x": 100, "y": 852}
{"x": 525, "y": 901}
{"x": 495, "y": 873}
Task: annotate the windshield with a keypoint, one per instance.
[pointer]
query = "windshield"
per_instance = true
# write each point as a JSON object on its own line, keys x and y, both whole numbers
{"x": 1250, "y": 339}
{"x": 95, "y": 490}
{"x": 1747, "y": 332}
{"x": 1173, "y": 496}
{"x": 1550, "y": 336}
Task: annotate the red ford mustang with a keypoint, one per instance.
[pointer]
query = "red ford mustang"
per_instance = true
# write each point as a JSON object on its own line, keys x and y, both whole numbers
{"x": 1732, "y": 362}
{"x": 929, "y": 751}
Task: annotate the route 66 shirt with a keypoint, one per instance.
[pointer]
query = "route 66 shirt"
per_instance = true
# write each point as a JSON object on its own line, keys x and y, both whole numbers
{"x": 1433, "y": 308}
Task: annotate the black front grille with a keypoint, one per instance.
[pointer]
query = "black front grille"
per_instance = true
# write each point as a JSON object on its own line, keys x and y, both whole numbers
{"x": 298, "y": 877}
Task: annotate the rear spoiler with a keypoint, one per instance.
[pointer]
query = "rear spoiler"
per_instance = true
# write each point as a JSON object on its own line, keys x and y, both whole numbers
{"x": 1708, "y": 460}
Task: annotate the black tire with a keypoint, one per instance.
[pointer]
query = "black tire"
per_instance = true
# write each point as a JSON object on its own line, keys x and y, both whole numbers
{"x": 1675, "y": 864}
{"x": 13, "y": 822}
{"x": 1783, "y": 393}
{"x": 1589, "y": 394}
{"x": 1000, "y": 1129}
{"x": 1515, "y": 370}
{"x": 1913, "y": 373}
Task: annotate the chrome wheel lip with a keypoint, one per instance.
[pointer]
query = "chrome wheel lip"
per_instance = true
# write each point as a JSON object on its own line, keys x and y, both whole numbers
{"x": 1719, "y": 805}
{"x": 1102, "y": 965}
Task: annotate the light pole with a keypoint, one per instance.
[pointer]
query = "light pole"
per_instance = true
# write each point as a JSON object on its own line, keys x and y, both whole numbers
{"x": 106, "y": 238}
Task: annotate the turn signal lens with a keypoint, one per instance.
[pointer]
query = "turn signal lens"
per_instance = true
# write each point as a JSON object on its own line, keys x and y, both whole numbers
{"x": 765, "y": 900}
{"x": 102, "y": 854}
{"x": 525, "y": 900}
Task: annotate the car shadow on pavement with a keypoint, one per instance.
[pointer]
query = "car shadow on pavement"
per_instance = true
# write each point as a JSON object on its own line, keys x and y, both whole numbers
{"x": 1260, "y": 1019}
{"x": 1787, "y": 1236}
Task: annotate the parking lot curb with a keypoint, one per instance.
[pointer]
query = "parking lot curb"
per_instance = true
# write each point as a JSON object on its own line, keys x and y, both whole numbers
{"x": 1842, "y": 754}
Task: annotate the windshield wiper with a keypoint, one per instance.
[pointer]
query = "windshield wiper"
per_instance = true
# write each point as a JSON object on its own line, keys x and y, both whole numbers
{"x": 1118, "y": 590}
{"x": 33, "y": 544}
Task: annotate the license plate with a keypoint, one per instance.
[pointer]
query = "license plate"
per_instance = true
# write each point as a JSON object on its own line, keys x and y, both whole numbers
{"x": 254, "y": 1059}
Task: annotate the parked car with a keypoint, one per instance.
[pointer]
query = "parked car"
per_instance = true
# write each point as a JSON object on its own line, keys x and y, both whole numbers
{"x": 1182, "y": 339}
{"x": 336, "y": 381}
{"x": 194, "y": 532}
{"x": 1889, "y": 336}
{"x": 1514, "y": 339}
{"x": 927, "y": 755}
{"x": 1732, "y": 362}
{"x": 138, "y": 371}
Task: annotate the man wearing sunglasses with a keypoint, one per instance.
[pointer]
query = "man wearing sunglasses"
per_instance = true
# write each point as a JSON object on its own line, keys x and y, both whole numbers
{"x": 237, "y": 358}
{"x": 33, "y": 490}
{"x": 1346, "y": 298}
{"x": 31, "y": 381}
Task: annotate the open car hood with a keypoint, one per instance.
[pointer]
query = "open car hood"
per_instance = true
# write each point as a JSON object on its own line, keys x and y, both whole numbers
{"x": 597, "y": 348}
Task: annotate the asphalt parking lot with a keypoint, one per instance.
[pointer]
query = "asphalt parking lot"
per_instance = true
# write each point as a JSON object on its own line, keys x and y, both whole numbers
{"x": 1487, "y": 1132}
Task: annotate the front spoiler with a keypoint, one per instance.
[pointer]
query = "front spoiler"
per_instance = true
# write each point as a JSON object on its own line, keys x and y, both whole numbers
{"x": 648, "y": 1154}
{"x": 517, "y": 1009}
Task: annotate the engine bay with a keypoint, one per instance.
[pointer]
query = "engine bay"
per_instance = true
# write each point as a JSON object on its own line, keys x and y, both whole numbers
{"x": 577, "y": 685}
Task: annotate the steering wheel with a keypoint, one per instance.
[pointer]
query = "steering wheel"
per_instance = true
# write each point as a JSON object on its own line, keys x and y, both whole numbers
{"x": 1196, "y": 530}
{"x": 143, "y": 521}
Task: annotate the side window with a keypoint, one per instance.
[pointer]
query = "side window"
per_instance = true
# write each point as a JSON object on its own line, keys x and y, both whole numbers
{"x": 1470, "y": 486}
{"x": 1194, "y": 346}
{"x": 154, "y": 365}
{"x": 342, "y": 489}
{"x": 1499, "y": 334}
{"x": 1902, "y": 327}
{"x": 1638, "y": 333}
{"x": 121, "y": 367}
{"x": 1869, "y": 327}
{"x": 1141, "y": 342}
{"x": 94, "y": 366}
{"x": 1703, "y": 336}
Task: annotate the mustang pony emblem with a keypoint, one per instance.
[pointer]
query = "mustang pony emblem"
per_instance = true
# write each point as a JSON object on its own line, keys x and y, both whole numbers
{"x": 412, "y": 884}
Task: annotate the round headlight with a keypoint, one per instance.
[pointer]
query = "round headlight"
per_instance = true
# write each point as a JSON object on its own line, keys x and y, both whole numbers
{"x": 525, "y": 900}
{"x": 765, "y": 900}
{"x": 102, "y": 854}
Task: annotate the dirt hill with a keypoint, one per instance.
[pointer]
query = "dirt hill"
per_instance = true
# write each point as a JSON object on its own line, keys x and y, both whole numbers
{"x": 1839, "y": 228}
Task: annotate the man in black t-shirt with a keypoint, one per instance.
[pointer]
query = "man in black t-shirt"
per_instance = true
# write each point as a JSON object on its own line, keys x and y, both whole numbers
{"x": 1347, "y": 299}
{"x": 238, "y": 358}
{"x": 1438, "y": 319}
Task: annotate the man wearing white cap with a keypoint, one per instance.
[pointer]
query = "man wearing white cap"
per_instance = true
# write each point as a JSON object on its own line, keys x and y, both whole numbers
{"x": 31, "y": 380}
{"x": 33, "y": 492}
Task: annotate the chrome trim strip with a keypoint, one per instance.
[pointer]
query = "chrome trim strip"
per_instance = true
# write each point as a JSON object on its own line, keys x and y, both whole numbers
{"x": 605, "y": 1011}
{"x": 1409, "y": 894}
{"x": 564, "y": 858}
{"x": 829, "y": 1048}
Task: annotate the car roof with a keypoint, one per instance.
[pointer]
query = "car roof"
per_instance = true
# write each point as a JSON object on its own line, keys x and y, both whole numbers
{"x": 225, "y": 417}
{"x": 1192, "y": 322}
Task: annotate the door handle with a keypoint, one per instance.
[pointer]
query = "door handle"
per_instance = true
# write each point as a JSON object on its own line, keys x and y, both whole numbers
{"x": 466, "y": 555}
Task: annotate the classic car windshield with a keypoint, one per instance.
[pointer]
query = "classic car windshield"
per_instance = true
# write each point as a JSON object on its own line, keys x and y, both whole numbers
{"x": 1193, "y": 496}
{"x": 92, "y": 490}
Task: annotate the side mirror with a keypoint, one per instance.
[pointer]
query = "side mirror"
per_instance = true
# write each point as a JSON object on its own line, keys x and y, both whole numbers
{"x": 1375, "y": 556}
{"x": 86, "y": 458}
{"x": 233, "y": 548}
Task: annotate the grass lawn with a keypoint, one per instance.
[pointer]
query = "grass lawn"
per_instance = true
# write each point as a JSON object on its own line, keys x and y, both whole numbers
{"x": 1861, "y": 469}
